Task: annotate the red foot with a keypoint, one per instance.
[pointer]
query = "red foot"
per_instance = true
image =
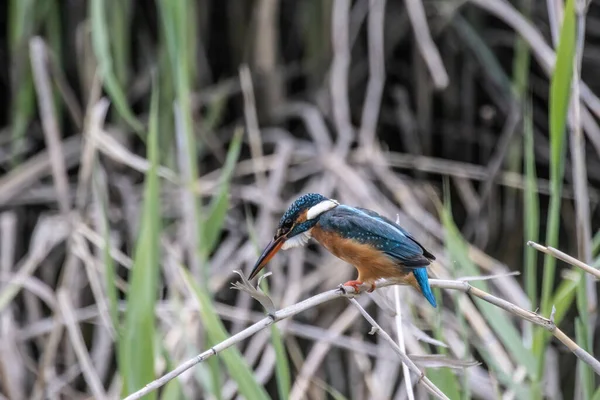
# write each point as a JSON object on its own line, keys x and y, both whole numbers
{"x": 357, "y": 284}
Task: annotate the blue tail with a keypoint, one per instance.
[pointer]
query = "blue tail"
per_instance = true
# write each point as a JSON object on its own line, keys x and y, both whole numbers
{"x": 423, "y": 281}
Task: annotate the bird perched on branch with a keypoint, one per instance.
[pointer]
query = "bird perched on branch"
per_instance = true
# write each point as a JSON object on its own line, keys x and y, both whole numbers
{"x": 374, "y": 245}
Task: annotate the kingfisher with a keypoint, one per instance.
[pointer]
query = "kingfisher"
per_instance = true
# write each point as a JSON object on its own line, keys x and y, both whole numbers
{"x": 377, "y": 247}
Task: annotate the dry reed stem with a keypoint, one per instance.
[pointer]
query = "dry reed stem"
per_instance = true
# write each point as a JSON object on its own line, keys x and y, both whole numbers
{"x": 430, "y": 53}
{"x": 545, "y": 56}
{"x": 251, "y": 119}
{"x": 324, "y": 297}
{"x": 35, "y": 168}
{"x": 530, "y": 316}
{"x": 89, "y": 373}
{"x": 94, "y": 122}
{"x": 400, "y": 334}
{"x": 339, "y": 75}
{"x": 50, "y": 124}
{"x": 372, "y": 106}
{"x": 376, "y": 329}
{"x": 244, "y": 334}
{"x": 579, "y": 169}
{"x": 566, "y": 258}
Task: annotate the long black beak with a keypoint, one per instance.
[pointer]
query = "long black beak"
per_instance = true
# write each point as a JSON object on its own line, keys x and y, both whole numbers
{"x": 268, "y": 253}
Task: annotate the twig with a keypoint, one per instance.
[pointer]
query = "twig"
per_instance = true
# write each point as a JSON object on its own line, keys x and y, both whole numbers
{"x": 246, "y": 333}
{"x": 372, "y": 104}
{"x": 319, "y": 351}
{"x": 524, "y": 314}
{"x": 48, "y": 233}
{"x": 400, "y": 334}
{"x": 566, "y": 258}
{"x": 111, "y": 147}
{"x": 463, "y": 170}
{"x": 544, "y": 54}
{"x": 405, "y": 360}
{"x": 493, "y": 169}
{"x": 345, "y": 292}
{"x": 95, "y": 120}
{"x": 251, "y": 118}
{"x": 189, "y": 231}
{"x": 91, "y": 377}
{"x": 266, "y": 52}
{"x": 579, "y": 170}
{"x": 430, "y": 53}
{"x": 339, "y": 75}
{"x": 49, "y": 122}
{"x": 35, "y": 168}
{"x": 251, "y": 330}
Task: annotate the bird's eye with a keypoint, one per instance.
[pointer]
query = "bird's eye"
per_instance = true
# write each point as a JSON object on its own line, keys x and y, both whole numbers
{"x": 287, "y": 223}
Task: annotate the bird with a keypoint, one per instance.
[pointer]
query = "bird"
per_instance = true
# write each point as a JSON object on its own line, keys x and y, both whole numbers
{"x": 377, "y": 247}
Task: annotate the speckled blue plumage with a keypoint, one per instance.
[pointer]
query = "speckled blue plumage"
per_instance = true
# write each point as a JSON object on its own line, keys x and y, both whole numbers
{"x": 365, "y": 227}
{"x": 302, "y": 203}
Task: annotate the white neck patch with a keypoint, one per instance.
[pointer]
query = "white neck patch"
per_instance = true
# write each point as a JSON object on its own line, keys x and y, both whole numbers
{"x": 297, "y": 241}
{"x": 320, "y": 208}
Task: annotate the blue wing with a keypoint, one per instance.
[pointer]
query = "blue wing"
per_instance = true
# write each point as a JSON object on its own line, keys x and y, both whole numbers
{"x": 366, "y": 226}
{"x": 375, "y": 215}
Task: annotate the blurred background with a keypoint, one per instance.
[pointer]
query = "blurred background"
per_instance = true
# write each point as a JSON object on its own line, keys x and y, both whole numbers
{"x": 148, "y": 150}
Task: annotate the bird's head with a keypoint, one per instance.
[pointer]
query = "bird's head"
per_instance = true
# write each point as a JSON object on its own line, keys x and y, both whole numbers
{"x": 295, "y": 225}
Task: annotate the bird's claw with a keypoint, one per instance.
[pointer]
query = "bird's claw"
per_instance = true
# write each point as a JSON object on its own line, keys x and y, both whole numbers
{"x": 356, "y": 285}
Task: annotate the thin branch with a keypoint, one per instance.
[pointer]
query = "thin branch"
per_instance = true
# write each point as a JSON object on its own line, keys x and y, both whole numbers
{"x": 43, "y": 87}
{"x": 371, "y": 108}
{"x": 251, "y": 118}
{"x": 430, "y": 53}
{"x": 578, "y": 155}
{"x": 400, "y": 333}
{"x": 273, "y": 317}
{"x": 324, "y": 297}
{"x": 339, "y": 75}
{"x": 566, "y": 258}
{"x": 530, "y": 316}
{"x": 405, "y": 360}
{"x": 89, "y": 373}
{"x": 542, "y": 51}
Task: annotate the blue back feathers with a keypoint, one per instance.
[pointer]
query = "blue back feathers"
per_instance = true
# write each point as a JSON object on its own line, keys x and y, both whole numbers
{"x": 367, "y": 226}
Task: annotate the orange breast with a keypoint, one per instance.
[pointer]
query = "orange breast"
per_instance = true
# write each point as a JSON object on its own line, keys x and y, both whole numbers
{"x": 371, "y": 263}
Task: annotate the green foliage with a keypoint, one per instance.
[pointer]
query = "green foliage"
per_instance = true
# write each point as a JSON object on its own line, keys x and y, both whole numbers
{"x": 172, "y": 390}
{"x": 238, "y": 368}
{"x": 560, "y": 93}
{"x": 101, "y": 43}
{"x": 560, "y": 89}
{"x": 215, "y": 216}
{"x": 532, "y": 212}
{"x": 282, "y": 365}
{"x": 581, "y": 337}
{"x": 21, "y": 20}
{"x": 499, "y": 321}
{"x": 137, "y": 348}
{"x": 444, "y": 378}
{"x": 596, "y": 244}
{"x": 495, "y": 317}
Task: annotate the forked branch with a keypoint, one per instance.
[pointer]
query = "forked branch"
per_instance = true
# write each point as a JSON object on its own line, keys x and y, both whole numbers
{"x": 287, "y": 312}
